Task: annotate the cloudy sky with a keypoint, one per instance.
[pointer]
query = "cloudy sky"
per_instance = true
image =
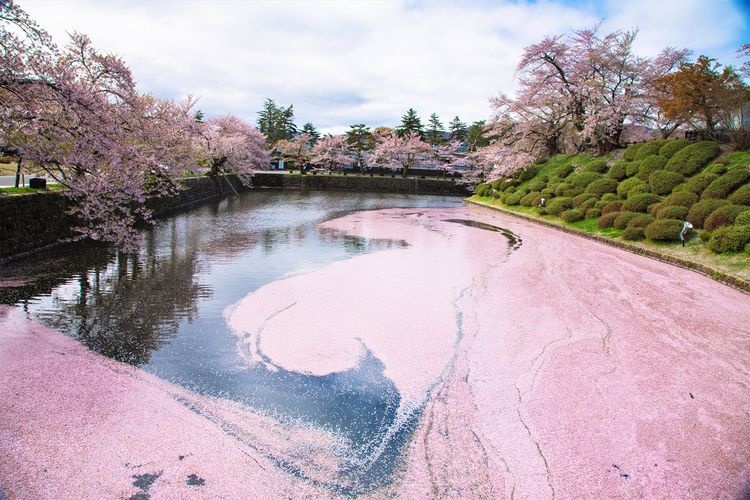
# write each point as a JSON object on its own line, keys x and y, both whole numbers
{"x": 345, "y": 62}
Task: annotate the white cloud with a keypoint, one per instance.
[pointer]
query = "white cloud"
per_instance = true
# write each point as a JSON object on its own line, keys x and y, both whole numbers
{"x": 361, "y": 61}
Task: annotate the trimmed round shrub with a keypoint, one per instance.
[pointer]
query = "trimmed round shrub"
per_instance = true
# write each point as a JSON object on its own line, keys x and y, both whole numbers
{"x": 509, "y": 189}
{"x": 702, "y": 209}
{"x": 698, "y": 183}
{"x": 563, "y": 171}
{"x": 663, "y": 181}
{"x": 723, "y": 216}
{"x": 601, "y": 187}
{"x": 541, "y": 161}
{"x": 716, "y": 168}
{"x": 640, "y": 202}
{"x": 593, "y": 213}
{"x": 578, "y": 200}
{"x": 548, "y": 193}
{"x": 641, "y": 220}
{"x": 671, "y": 147}
{"x": 743, "y": 219}
{"x": 632, "y": 168}
{"x": 741, "y": 196}
{"x": 623, "y": 218}
{"x": 598, "y": 165}
{"x": 562, "y": 187}
{"x": 648, "y": 149}
{"x": 590, "y": 203}
{"x": 681, "y": 198}
{"x": 724, "y": 185}
{"x": 664, "y": 230}
{"x": 571, "y": 215}
{"x": 531, "y": 199}
{"x": 618, "y": 170}
{"x": 609, "y": 197}
{"x": 612, "y": 206}
{"x": 482, "y": 190}
{"x": 704, "y": 235}
{"x": 499, "y": 196}
{"x": 625, "y": 186}
{"x": 630, "y": 153}
{"x": 572, "y": 191}
{"x": 633, "y": 233}
{"x": 651, "y": 164}
{"x": 537, "y": 184}
{"x": 513, "y": 199}
{"x": 528, "y": 173}
{"x": 606, "y": 220}
{"x": 582, "y": 179}
{"x": 730, "y": 239}
{"x": 672, "y": 212}
{"x": 691, "y": 159}
{"x": 556, "y": 205}
{"x": 501, "y": 184}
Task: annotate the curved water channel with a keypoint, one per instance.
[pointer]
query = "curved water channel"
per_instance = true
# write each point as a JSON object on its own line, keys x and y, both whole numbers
{"x": 163, "y": 311}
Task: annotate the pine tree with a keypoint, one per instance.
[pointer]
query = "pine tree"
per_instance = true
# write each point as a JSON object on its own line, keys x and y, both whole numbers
{"x": 276, "y": 122}
{"x": 359, "y": 138}
{"x": 435, "y": 131}
{"x": 309, "y": 129}
{"x": 459, "y": 131}
{"x": 410, "y": 122}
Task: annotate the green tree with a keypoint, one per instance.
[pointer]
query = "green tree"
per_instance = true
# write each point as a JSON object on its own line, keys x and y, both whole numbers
{"x": 359, "y": 139}
{"x": 458, "y": 130}
{"x": 410, "y": 122}
{"x": 276, "y": 122}
{"x": 435, "y": 130}
{"x": 475, "y": 136}
{"x": 309, "y": 129}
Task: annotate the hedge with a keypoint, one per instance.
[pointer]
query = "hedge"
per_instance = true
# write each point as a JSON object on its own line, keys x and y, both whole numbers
{"x": 698, "y": 183}
{"x": 648, "y": 149}
{"x": 571, "y": 215}
{"x": 702, "y": 209}
{"x": 741, "y": 196}
{"x": 663, "y": 181}
{"x": 618, "y": 170}
{"x": 724, "y": 185}
{"x": 583, "y": 179}
{"x": 623, "y": 190}
{"x": 664, "y": 230}
{"x": 623, "y": 218}
{"x": 671, "y": 147}
{"x": 730, "y": 238}
{"x": 640, "y": 202}
{"x": 691, "y": 159}
{"x": 672, "y": 212}
{"x": 601, "y": 187}
{"x": 651, "y": 164}
{"x": 723, "y": 216}
{"x": 556, "y": 205}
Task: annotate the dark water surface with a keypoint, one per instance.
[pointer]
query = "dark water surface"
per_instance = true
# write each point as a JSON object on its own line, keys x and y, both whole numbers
{"x": 162, "y": 310}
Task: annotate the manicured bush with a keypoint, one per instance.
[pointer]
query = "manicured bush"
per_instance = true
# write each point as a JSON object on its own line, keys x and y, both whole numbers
{"x": 651, "y": 164}
{"x": 582, "y": 179}
{"x": 561, "y": 188}
{"x": 601, "y": 187}
{"x": 598, "y": 165}
{"x": 592, "y": 213}
{"x": 590, "y": 203}
{"x": 625, "y": 186}
{"x": 548, "y": 193}
{"x": 630, "y": 153}
{"x": 673, "y": 146}
{"x": 698, "y": 183}
{"x": 743, "y": 219}
{"x": 498, "y": 195}
{"x": 609, "y": 197}
{"x": 632, "y": 168}
{"x": 482, "y": 190}
{"x": 730, "y": 238}
{"x": 741, "y": 196}
{"x": 571, "y": 215}
{"x": 572, "y": 191}
{"x": 563, "y": 171}
{"x": 623, "y": 218}
{"x": 578, "y": 200}
{"x": 529, "y": 172}
{"x": 641, "y": 220}
{"x": 664, "y": 230}
{"x": 618, "y": 170}
{"x": 663, "y": 181}
{"x": 691, "y": 159}
{"x": 640, "y": 202}
{"x": 704, "y": 235}
{"x": 723, "y": 216}
{"x": 537, "y": 184}
{"x": 633, "y": 233}
{"x": 716, "y": 168}
{"x": 531, "y": 199}
{"x": 648, "y": 149}
{"x": 541, "y": 161}
{"x": 681, "y": 198}
{"x": 513, "y": 199}
{"x": 556, "y": 205}
{"x": 702, "y": 209}
{"x": 672, "y": 212}
{"x": 612, "y": 206}
{"x": 500, "y": 184}
{"x": 724, "y": 185}
{"x": 606, "y": 220}
{"x": 509, "y": 189}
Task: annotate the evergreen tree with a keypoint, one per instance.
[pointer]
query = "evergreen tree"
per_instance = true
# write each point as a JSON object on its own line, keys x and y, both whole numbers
{"x": 475, "y": 136}
{"x": 458, "y": 129}
{"x": 359, "y": 139}
{"x": 309, "y": 129}
{"x": 410, "y": 122}
{"x": 276, "y": 122}
{"x": 435, "y": 130}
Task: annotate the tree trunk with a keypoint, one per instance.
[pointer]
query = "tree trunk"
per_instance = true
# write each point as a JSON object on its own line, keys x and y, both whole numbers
{"x": 18, "y": 170}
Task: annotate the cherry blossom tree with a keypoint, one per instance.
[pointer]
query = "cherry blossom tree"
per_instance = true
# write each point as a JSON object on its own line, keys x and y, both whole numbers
{"x": 295, "y": 150}
{"x": 332, "y": 152}
{"x": 231, "y": 145}
{"x": 405, "y": 152}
